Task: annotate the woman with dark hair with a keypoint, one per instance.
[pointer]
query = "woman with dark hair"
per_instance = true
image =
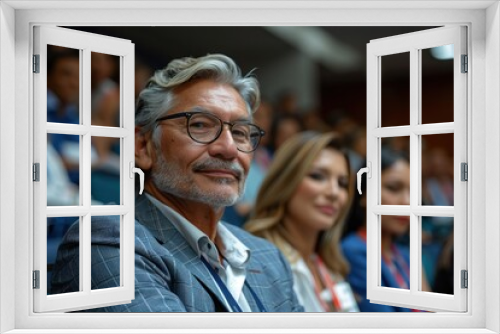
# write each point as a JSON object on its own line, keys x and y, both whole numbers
{"x": 301, "y": 208}
{"x": 395, "y": 190}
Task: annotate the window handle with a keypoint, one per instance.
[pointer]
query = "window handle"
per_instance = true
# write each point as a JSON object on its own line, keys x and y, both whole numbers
{"x": 141, "y": 175}
{"x": 368, "y": 171}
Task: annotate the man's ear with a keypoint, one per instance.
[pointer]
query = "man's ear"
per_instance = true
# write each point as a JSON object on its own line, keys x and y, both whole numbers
{"x": 143, "y": 150}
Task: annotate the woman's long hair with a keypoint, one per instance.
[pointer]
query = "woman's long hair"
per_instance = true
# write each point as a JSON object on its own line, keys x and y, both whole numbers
{"x": 291, "y": 164}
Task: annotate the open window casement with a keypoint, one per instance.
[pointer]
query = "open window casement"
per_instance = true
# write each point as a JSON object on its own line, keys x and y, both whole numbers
{"x": 72, "y": 202}
{"x": 416, "y": 46}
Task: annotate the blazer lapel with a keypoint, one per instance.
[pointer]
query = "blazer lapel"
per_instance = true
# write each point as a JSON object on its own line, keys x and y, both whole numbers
{"x": 166, "y": 233}
{"x": 255, "y": 278}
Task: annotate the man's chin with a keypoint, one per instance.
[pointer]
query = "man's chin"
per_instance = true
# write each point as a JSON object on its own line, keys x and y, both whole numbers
{"x": 221, "y": 198}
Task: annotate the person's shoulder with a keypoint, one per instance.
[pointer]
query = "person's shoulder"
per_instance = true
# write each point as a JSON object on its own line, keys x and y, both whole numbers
{"x": 353, "y": 243}
{"x": 107, "y": 229}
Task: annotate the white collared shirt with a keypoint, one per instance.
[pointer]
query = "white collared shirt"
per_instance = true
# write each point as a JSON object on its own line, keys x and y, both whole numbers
{"x": 235, "y": 254}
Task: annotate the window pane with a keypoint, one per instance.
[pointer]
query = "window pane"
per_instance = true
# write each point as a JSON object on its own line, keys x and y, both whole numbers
{"x": 437, "y": 84}
{"x": 105, "y": 182}
{"x": 395, "y": 89}
{"x": 63, "y": 169}
{"x": 437, "y": 170}
{"x": 105, "y": 92}
{"x": 63, "y": 85}
{"x": 437, "y": 253}
{"x": 56, "y": 229}
{"x": 106, "y": 259}
{"x": 395, "y": 171}
{"x": 395, "y": 259}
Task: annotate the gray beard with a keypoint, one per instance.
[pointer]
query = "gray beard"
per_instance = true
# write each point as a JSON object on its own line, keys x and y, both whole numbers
{"x": 168, "y": 178}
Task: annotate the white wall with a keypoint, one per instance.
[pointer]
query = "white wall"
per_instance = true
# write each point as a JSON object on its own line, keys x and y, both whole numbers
{"x": 7, "y": 170}
{"x": 492, "y": 163}
{"x": 276, "y": 77}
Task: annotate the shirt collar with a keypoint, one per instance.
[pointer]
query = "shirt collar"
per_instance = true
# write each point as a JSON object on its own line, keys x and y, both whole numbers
{"x": 231, "y": 248}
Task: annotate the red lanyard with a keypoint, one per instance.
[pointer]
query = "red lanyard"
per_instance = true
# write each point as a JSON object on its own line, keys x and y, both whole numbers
{"x": 394, "y": 270}
{"x": 328, "y": 282}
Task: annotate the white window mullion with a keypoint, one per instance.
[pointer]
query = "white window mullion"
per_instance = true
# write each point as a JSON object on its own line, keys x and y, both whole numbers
{"x": 415, "y": 185}
{"x": 85, "y": 254}
{"x": 127, "y": 236}
{"x": 373, "y": 87}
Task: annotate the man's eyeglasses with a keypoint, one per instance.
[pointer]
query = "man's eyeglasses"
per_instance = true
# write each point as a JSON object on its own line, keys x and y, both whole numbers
{"x": 205, "y": 128}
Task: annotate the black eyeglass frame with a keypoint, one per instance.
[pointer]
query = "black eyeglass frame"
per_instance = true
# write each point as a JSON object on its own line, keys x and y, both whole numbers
{"x": 189, "y": 114}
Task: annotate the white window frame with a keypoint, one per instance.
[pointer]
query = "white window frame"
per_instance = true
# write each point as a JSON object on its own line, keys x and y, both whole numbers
{"x": 413, "y": 44}
{"x": 85, "y": 43}
{"x": 483, "y": 20}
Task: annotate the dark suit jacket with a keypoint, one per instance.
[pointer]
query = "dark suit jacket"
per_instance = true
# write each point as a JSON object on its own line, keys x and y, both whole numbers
{"x": 354, "y": 249}
{"x": 169, "y": 276}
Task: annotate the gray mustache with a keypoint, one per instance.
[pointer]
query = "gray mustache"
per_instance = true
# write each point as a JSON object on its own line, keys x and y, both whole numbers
{"x": 219, "y": 164}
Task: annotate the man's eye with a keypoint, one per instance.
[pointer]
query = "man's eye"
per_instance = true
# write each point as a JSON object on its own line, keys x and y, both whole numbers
{"x": 198, "y": 125}
{"x": 240, "y": 131}
{"x": 239, "y": 134}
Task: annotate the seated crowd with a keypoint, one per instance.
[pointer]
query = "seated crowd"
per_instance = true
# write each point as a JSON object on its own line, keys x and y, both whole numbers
{"x": 248, "y": 206}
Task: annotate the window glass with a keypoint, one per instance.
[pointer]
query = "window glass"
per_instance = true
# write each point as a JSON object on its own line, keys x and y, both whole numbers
{"x": 105, "y": 89}
{"x": 437, "y": 170}
{"x": 395, "y": 259}
{"x": 56, "y": 229}
{"x": 63, "y": 169}
{"x": 63, "y": 85}
{"x": 395, "y": 89}
{"x": 105, "y": 172}
{"x": 437, "y": 254}
{"x": 437, "y": 84}
{"x": 395, "y": 171}
{"x": 103, "y": 261}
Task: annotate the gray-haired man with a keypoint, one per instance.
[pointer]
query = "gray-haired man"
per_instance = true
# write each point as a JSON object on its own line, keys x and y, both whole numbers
{"x": 194, "y": 141}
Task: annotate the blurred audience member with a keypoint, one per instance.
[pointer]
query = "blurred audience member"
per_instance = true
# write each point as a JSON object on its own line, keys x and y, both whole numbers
{"x": 287, "y": 104}
{"x": 444, "y": 279}
{"x": 238, "y": 213}
{"x": 105, "y": 101}
{"x": 356, "y": 145}
{"x": 399, "y": 144}
{"x": 142, "y": 74}
{"x": 301, "y": 208}
{"x": 313, "y": 121}
{"x": 438, "y": 188}
{"x": 344, "y": 125}
{"x": 63, "y": 87}
{"x": 60, "y": 190}
{"x": 395, "y": 190}
{"x": 283, "y": 128}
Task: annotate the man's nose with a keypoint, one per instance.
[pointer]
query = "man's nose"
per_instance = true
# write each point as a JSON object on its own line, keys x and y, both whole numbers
{"x": 224, "y": 146}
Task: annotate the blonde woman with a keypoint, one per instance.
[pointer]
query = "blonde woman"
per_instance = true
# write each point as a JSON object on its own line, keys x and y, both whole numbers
{"x": 301, "y": 208}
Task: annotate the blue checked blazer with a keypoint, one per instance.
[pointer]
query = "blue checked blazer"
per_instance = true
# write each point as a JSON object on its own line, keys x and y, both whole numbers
{"x": 169, "y": 276}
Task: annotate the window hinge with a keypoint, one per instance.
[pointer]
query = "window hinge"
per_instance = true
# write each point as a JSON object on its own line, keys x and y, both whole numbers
{"x": 464, "y": 171}
{"x": 465, "y": 64}
{"x": 465, "y": 279}
{"x": 36, "y": 172}
{"x": 36, "y": 63}
{"x": 36, "y": 279}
